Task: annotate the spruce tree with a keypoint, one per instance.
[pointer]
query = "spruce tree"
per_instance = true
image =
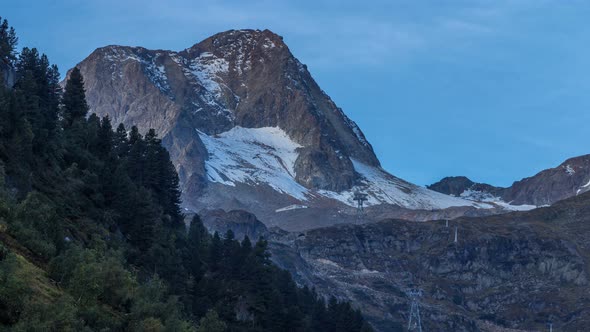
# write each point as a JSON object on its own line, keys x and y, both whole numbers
{"x": 215, "y": 252}
{"x": 38, "y": 84}
{"x": 74, "y": 99}
{"x": 153, "y": 175}
{"x": 105, "y": 139}
{"x": 211, "y": 323}
{"x": 246, "y": 245}
{"x": 8, "y": 41}
{"x": 171, "y": 188}
{"x": 121, "y": 141}
{"x": 92, "y": 130}
{"x": 197, "y": 243}
{"x": 136, "y": 157}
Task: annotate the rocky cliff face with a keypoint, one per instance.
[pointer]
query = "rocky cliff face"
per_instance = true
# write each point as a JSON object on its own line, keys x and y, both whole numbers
{"x": 241, "y": 223}
{"x": 569, "y": 179}
{"x": 245, "y": 123}
{"x": 511, "y": 272}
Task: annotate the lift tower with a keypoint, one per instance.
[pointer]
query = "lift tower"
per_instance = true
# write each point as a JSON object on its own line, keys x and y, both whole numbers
{"x": 414, "y": 322}
{"x": 360, "y": 199}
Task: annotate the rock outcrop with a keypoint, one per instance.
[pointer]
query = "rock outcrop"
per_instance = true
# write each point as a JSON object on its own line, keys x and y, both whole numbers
{"x": 570, "y": 178}
{"x": 241, "y": 223}
{"x": 463, "y": 186}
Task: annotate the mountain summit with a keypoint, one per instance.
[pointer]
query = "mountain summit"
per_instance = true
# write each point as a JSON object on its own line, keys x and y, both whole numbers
{"x": 246, "y": 123}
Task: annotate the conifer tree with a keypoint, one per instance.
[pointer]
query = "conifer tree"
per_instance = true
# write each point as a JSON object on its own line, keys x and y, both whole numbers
{"x": 153, "y": 169}
{"x": 246, "y": 245}
{"x": 92, "y": 130}
{"x": 141, "y": 225}
{"x": 211, "y": 323}
{"x": 121, "y": 141}
{"x": 136, "y": 156}
{"x": 74, "y": 99}
{"x": 197, "y": 243}
{"x": 105, "y": 139}
{"x": 215, "y": 252}
{"x": 170, "y": 184}
{"x": 38, "y": 86}
{"x": 8, "y": 41}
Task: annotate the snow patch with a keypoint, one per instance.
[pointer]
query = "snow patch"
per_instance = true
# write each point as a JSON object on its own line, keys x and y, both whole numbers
{"x": 268, "y": 43}
{"x": 367, "y": 271}
{"x": 381, "y": 187}
{"x": 256, "y": 156}
{"x": 510, "y": 207}
{"x": 291, "y": 207}
{"x": 157, "y": 74}
{"x": 206, "y": 68}
{"x": 583, "y": 188}
{"x": 569, "y": 170}
{"x": 327, "y": 262}
{"x": 204, "y": 73}
{"x": 481, "y": 196}
{"x": 476, "y": 195}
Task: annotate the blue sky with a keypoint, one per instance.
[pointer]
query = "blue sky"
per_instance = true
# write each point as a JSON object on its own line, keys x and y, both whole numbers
{"x": 494, "y": 90}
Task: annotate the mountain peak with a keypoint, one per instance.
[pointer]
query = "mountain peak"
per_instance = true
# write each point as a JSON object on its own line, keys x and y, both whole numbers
{"x": 452, "y": 185}
{"x": 262, "y": 37}
{"x": 238, "y": 44}
{"x": 245, "y": 122}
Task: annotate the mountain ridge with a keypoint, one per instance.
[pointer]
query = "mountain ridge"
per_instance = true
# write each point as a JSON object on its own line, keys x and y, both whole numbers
{"x": 570, "y": 178}
{"x": 211, "y": 102}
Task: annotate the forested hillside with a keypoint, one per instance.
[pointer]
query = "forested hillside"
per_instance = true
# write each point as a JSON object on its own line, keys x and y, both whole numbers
{"x": 92, "y": 236}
